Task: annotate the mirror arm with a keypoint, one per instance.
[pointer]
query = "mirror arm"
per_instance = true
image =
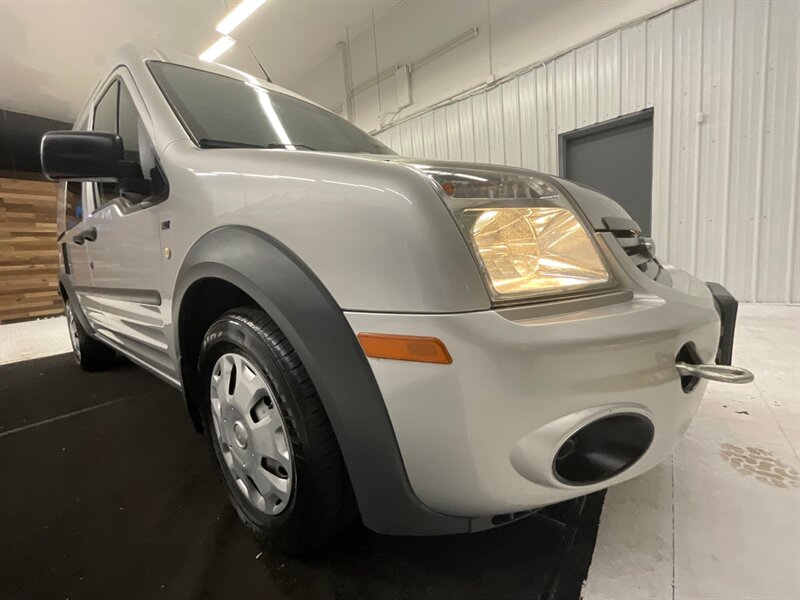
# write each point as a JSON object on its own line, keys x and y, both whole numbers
{"x": 135, "y": 190}
{"x": 132, "y": 181}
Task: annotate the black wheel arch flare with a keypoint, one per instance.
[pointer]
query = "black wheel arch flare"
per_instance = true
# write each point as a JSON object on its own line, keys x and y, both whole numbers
{"x": 67, "y": 292}
{"x": 291, "y": 294}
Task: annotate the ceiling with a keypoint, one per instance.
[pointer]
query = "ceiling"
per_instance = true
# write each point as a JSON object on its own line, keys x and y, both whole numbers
{"x": 52, "y": 51}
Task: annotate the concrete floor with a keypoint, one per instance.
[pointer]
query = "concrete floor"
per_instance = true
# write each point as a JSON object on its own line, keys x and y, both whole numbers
{"x": 721, "y": 519}
{"x": 33, "y": 339}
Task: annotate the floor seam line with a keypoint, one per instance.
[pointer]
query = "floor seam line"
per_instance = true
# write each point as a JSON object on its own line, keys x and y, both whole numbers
{"x": 5, "y": 362}
{"x": 673, "y": 526}
{"x": 64, "y": 416}
{"x": 774, "y": 418}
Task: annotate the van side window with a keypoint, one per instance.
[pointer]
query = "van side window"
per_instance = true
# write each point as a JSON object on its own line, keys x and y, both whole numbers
{"x": 136, "y": 143}
{"x": 73, "y": 205}
{"x": 105, "y": 119}
{"x": 128, "y": 125}
{"x": 69, "y": 212}
{"x": 116, "y": 113}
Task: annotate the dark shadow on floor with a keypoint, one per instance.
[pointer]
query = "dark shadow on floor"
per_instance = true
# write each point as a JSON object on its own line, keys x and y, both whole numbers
{"x": 124, "y": 501}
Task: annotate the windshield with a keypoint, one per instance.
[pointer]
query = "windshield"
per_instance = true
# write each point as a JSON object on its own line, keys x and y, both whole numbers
{"x": 222, "y": 112}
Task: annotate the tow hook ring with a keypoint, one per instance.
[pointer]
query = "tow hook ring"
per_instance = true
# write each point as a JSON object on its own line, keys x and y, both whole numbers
{"x": 722, "y": 373}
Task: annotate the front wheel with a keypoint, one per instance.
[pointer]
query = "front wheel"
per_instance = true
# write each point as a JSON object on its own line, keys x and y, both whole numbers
{"x": 90, "y": 354}
{"x": 267, "y": 428}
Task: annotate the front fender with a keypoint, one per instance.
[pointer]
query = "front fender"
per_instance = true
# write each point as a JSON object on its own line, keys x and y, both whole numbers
{"x": 286, "y": 289}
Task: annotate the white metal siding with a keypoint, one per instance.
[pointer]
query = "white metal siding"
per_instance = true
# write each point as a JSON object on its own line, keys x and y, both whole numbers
{"x": 723, "y": 78}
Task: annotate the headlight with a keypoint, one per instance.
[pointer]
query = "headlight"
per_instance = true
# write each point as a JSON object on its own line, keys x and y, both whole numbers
{"x": 527, "y": 238}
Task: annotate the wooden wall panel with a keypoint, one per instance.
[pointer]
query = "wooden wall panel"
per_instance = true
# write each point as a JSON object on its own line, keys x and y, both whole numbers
{"x": 28, "y": 250}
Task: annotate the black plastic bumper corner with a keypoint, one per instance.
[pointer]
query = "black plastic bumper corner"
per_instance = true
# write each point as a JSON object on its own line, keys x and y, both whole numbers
{"x": 727, "y": 307}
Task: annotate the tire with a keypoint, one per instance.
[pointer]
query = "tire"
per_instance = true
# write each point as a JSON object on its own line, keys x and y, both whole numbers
{"x": 90, "y": 354}
{"x": 269, "y": 432}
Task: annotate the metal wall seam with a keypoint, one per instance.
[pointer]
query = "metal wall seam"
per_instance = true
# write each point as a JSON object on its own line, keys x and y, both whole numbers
{"x": 686, "y": 97}
{"x": 762, "y": 116}
{"x": 541, "y": 118}
{"x": 748, "y": 91}
{"x": 793, "y": 260}
{"x": 552, "y": 124}
{"x": 586, "y": 85}
{"x": 440, "y": 126}
{"x": 716, "y": 104}
{"x": 399, "y": 138}
{"x": 660, "y": 59}
{"x": 467, "y": 130}
{"x": 428, "y": 134}
{"x": 408, "y": 139}
{"x": 480, "y": 120}
{"x": 726, "y": 194}
{"x": 793, "y": 250}
{"x": 417, "y": 144}
{"x": 565, "y": 92}
{"x": 529, "y": 129}
{"x": 608, "y": 59}
{"x": 633, "y": 45}
{"x": 699, "y": 131}
{"x": 511, "y": 133}
{"x": 779, "y": 137}
{"x": 494, "y": 105}
{"x": 453, "y": 133}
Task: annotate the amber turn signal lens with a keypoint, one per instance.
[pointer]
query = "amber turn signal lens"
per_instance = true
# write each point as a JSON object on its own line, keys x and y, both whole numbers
{"x": 449, "y": 188}
{"x": 405, "y": 347}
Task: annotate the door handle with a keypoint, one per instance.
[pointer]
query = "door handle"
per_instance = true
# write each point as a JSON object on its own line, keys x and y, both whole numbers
{"x": 87, "y": 235}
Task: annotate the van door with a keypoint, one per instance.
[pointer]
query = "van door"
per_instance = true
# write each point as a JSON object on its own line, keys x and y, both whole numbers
{"x": 124, "y": 301}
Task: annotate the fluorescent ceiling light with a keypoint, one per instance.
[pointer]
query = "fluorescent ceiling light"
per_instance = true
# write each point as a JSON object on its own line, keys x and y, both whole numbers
{"x": 233, "y": 19}
{"x": 220, "y": 46}
{"x": 274, "y": 120}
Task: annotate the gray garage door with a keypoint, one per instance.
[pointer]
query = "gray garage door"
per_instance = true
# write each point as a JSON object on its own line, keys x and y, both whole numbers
{"x": 617, "y": 159}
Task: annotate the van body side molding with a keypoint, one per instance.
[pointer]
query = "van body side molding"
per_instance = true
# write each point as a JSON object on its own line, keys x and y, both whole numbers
{"x": 149, "y": 297}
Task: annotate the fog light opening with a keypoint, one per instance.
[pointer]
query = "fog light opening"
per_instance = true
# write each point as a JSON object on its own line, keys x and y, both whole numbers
{"x": 567, "y": 448}
{"x": 603, "y": 449}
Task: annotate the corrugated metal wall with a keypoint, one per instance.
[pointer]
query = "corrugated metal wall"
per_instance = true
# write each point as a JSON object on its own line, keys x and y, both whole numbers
{"x": 723, "y": 79}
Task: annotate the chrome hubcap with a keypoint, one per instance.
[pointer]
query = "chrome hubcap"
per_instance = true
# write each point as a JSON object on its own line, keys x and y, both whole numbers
{"x": 251, "y": 433}
{"x": 73, "y": 333}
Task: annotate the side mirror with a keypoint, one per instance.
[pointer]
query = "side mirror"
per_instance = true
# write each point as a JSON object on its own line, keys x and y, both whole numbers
{"x": 85, "y": 156}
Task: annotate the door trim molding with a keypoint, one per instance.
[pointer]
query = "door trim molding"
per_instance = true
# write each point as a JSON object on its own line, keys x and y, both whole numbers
{"x": 139, "y": 296}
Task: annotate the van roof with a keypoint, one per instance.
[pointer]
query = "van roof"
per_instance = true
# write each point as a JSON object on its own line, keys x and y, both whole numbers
{"x": 130, "y": 54}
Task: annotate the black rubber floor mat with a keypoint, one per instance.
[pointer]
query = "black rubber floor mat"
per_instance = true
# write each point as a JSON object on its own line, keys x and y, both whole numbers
{"x": 107, "y": 491}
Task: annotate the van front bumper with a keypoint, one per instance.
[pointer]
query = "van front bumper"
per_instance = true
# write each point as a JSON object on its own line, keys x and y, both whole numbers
{"x": 479, "y": 437}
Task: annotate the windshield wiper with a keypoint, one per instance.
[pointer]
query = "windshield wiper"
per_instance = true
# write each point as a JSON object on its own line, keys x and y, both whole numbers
{"x": 210, "y": 143}
{"x": 291, "y": 146}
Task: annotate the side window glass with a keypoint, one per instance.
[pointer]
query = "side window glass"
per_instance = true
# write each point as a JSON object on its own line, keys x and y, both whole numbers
{"x": 129, "y": 125}
{"x": 105, "y": 119}
{"x": 73, "y": 208}
{"x": 138, "y": 149}
{"x": 70, "y": 197}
